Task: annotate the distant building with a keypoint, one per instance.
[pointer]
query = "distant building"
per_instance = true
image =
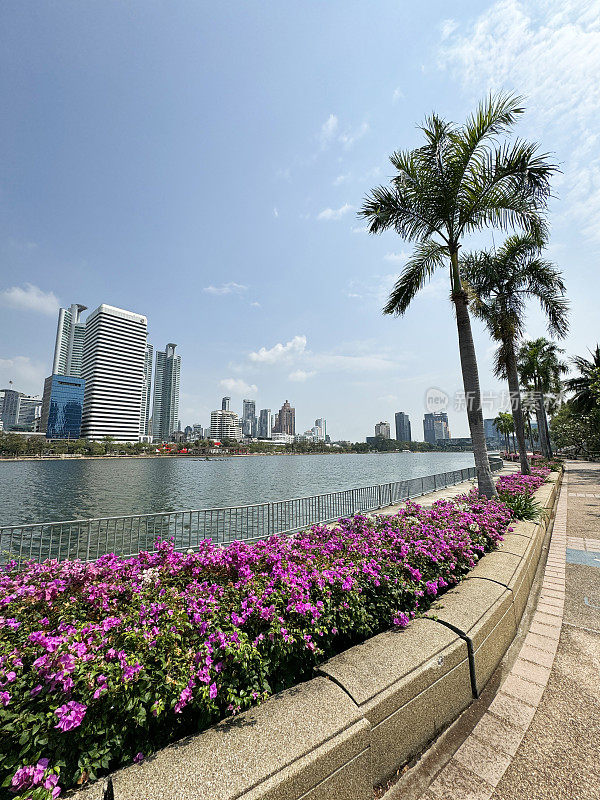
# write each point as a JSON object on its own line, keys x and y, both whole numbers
{"x": 285, "y": 421}
{"x": 68, "y": 347}
{"x": 321, "y": 429}
{"x": 62, "y": 407}
{"x": 19, "y": 411}
{"x": 283, "y": 438}
{"x": 382, "y": 429}
{"x": 145, "y": 429}
{"x": 114, "y": 354}
{"x": 165, "y": 405}
{"x": 435, "y": 426}
{"x": 188, "y": 433}
{"x": 225, "y": 424}
{"x": 265, "y": 424}
{"x": 249, "y": 423}
{"x": 491, "y": 433}
{"x": 198, "y": 432}
{"x": 403, "y": 432}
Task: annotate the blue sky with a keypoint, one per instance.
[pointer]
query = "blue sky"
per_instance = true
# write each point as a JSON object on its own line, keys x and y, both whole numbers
{"x": 202, "y": 163}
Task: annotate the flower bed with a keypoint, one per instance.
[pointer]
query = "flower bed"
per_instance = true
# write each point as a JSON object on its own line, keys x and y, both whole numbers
{"x": 102, "y": 663}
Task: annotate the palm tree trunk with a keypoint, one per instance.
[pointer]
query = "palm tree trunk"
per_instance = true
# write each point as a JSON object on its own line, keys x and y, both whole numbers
{"x": 515, "y": 402}
{"x": 468, "y": 363}
{"x": 531, "y": 442}
{"x": 539, "y": 415}
{"x": 549, "y": 454}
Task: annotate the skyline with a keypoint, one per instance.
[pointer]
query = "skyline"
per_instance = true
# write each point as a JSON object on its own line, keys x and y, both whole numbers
{"x": 122, "y": 161}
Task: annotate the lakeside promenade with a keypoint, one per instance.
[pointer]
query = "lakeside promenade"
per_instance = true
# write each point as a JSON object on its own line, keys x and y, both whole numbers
{"x": 534, "y": 732}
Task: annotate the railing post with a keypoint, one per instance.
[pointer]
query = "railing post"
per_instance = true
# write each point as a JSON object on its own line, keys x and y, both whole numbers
{"x": 89, "y": 540}
{"x": 379, "y": 494}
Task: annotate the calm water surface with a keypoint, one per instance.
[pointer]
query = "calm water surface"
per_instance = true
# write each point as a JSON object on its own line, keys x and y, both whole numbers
{"x": 47, "y": 491}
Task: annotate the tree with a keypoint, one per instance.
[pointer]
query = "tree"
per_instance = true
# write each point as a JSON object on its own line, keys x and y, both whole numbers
{"x": 540, "y": 369}
{"x": 500, "y": 284}
{"x": 505, "y": 425}
{"x": 108, "y": 442}
{"x": 586, "y": 384}
{"x": 459, "y": 181}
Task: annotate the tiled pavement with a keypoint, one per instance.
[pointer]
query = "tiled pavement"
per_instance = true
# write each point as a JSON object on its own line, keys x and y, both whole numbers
{"x": 539, "y": 736}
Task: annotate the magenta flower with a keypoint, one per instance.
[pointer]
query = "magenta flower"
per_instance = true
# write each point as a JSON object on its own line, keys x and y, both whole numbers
{"x": 212, "y": 691}
{"x": 70, "y": 715}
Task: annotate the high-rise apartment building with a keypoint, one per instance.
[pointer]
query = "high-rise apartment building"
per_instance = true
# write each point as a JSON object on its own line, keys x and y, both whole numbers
{"x": 403, "y": 432}
{"x": 145, "y": 429}
{"x": 285, "y": 420}
{"x": 382, "y": 429}
{"x": 225, "y": 424}
{"x": 225, "y": 403}
{"x": 265, "y": 424}
{"x": 165, "y": 407}
{"x": 249, "y": 418}
{"x": 114, "y": 355}
{"x": 321, "y": 429}
{"x": 62, "y": 406}
{"x": 68, "y": 348}
{"x": 435, "y": 426}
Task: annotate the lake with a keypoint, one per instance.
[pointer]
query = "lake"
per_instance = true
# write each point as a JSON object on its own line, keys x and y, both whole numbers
{"x": 48, "y": 491}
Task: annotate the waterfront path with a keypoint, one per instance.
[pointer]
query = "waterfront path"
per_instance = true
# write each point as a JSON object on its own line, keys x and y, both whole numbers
{"x": 536, "y": 736}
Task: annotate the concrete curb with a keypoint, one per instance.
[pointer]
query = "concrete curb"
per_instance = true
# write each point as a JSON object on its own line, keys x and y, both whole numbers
{"x": 373, "y": 707}
{"x": 480, "y": 762}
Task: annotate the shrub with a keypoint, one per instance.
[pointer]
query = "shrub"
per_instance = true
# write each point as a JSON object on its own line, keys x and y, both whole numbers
{"x": 101, "y": 663}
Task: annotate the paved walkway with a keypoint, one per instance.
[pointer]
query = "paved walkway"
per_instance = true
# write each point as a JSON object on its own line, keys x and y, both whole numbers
{"x": 539, "y": 737}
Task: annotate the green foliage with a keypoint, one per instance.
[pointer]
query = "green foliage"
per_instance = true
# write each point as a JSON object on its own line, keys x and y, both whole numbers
{"x": 523, "y": 506}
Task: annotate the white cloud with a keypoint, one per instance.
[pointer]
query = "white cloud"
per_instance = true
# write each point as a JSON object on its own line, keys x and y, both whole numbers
{"x": 301, "y": 375}
{"x": 328, "y": 130}
{"x": 549, "y": 52}
{"x": 398, "y": 258}
{"x": 226, "y": 288}
{"x": 360, "y": 229}
{"x": 30, "y": 298}
{"x": 238, "y": 386}
{"x": 350, "y": 137}
{"x": 341, "y": 179}
{"x": 27, "y": 375}
{"x": 255, "y": 304}
{"x": 335, "y": 213}
{"x": 398, "y": 94}
{"x": 275, "y": 212}
{"x": 448, "y": 27}
{"x": 279, "y": 352}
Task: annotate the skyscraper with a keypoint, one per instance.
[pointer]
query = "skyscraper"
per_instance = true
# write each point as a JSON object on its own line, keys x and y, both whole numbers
{"x": 435, "y": 426}
{"x": 62, "y": 406}
{"x": 249, "y": 418}
{"x": 265, "y": 424}
{"x": 146, "y": 393}
{"x": 165, "y": 407}
{"x": 403, "y": 432}
{"x": 68, "y": 349}
{"x": 382, "y": 429}
{"x": 114, "y": 353}
{"x": 225, "y": 424}
{"x": 285, "y": 421}
{"x": 225, "y": 403}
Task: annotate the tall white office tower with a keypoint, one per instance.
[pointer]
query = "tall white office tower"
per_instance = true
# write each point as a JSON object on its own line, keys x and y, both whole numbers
{"x": 165, "y": 407}
{"x": 146, "y": 394}
{"x": 68, "y": 349}
{"x": 114, "y": 354}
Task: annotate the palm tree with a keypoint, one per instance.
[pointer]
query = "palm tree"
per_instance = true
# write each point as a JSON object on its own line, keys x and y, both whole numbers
{"x": 504, "y": 424}
{"x": 585, "y": 384}
{"x": 500, "y": 283}
{"x": 540, "y": 369}
{"x": 460, "y": 181}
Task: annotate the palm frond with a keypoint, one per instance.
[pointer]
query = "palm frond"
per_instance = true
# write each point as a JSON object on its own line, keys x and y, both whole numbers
{"x": 427, "y": 257}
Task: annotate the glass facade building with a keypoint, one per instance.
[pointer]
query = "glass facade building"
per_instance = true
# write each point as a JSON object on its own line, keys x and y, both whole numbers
{"x": 62, "y": 406}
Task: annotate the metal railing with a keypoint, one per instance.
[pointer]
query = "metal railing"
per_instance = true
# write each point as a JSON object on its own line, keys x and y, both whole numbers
{"x": 88, "y": 539}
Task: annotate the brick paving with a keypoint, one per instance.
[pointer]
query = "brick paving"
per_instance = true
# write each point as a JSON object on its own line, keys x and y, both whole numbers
{"x": 539, "y": 736}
